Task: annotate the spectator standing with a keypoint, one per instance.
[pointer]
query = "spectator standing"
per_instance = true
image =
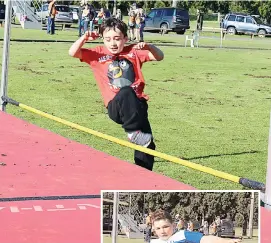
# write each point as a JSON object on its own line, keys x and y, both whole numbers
{"x": 101, "y": 17}
{"x": 91, "y": 17}
{"x": 119, "y": 14}
{"x": 80, "y": 19}
{"x": 205, "y": 228}
{"x": 148, "y": 228}
{"x": 190, "y": 226}
{"x": 132, "y": 24}
{"x": 180, "y": 224}
{"x": 142, "y": 24}
{"x": 51, "y": 17}
{"x": 213, "y": 228}
{"x": 86, "y": 18}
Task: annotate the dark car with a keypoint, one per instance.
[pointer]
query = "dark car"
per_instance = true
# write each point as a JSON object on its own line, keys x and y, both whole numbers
{"x": 226, "y": 229}
{"x": 236, "y": 23}
{"x": 168, "y": 19}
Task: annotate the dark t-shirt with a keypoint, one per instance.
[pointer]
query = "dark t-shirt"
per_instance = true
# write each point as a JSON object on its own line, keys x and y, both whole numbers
{"x": 80, "y": 12}
{"x": 2, "y": 11}
{"x": 91, "y": 14}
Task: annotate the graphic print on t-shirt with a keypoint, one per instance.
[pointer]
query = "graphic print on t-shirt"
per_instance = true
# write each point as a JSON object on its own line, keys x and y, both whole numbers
{"x": 121, "y": 73}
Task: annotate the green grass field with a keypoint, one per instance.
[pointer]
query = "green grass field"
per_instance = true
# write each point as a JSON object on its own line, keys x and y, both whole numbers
{"x": 207, "y": 105}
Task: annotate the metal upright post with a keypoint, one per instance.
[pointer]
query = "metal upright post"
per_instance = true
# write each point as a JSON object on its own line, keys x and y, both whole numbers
{"x": 268, "y": 174}
{"x": 130, "y": 203}
{"x": 115, "y": 217}
{"x": 5, "y": 57}
{"x": 221, "y": 37}
{"x": 251, "y": 214}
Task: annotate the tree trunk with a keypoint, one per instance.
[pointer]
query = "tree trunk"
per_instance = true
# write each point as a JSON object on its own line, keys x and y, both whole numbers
{"x": 174, "y": 3}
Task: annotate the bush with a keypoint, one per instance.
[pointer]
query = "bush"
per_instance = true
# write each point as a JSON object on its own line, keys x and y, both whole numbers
{"x": 159, "y": 4}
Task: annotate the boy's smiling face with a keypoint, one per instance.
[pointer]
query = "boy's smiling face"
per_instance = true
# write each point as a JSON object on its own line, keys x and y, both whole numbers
{"x": 114, "y": 40}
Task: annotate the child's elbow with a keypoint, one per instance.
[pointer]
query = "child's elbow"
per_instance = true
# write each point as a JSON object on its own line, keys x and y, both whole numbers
{"x": 71, "y": 53}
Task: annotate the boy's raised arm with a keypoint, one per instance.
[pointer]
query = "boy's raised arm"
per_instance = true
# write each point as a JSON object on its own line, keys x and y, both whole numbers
{"x": 155, "y": 54}
{"x": 75, "y": 49}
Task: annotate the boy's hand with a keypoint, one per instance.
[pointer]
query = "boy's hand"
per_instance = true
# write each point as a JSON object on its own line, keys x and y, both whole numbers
{"x": 141, "y": 46}
{"x": 91, "y": 35}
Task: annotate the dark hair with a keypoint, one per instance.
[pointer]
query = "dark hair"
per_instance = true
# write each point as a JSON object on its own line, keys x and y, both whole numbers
{"x": 161, "y": 215}
{"x": 113, "y": 23}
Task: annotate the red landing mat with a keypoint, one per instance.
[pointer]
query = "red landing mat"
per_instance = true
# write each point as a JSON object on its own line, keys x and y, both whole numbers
{"x": 50, "y": 184}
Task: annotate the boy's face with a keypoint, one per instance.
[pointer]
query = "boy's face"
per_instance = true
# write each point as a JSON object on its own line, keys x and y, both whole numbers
{"x": 163, "y": 228}
{"x": 114, "y": 40}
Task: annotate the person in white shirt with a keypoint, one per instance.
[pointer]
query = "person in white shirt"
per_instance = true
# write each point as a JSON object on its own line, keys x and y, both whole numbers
{"x": 163, "y": 226}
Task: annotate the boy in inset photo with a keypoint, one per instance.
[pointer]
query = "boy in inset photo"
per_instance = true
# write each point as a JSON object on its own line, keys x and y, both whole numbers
{"x": 163, "y": 226}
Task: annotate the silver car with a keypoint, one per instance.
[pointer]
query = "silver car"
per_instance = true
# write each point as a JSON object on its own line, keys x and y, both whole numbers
{"x": 236, "y": 23}
{"x": 63, "y": 15}
{"x": 74, "y": 10}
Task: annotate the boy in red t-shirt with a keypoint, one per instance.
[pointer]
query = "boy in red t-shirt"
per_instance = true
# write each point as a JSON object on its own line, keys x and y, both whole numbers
{"x": 117, "y": 70}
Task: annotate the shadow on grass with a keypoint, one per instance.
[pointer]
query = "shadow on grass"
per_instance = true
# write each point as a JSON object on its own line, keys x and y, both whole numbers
{"x": 213, "y": 155}
{"x": 162, "y": 41}
{"x": 219, "y": 155}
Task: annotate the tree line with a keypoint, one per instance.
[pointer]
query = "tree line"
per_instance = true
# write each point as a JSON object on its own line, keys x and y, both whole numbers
{"x": 196, "y": 206}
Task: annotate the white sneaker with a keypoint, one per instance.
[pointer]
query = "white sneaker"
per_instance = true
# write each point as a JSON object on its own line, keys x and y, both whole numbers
{"x": 140, "y": 138}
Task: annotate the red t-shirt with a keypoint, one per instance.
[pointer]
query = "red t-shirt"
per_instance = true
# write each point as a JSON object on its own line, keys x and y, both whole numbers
{"x": 115, "y": 71}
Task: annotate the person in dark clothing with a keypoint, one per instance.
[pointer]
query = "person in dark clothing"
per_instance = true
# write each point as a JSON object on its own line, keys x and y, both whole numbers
{"x": 80, "y": 21}
{"x": 2, "y": 13}
{"x": 92, "y": 15}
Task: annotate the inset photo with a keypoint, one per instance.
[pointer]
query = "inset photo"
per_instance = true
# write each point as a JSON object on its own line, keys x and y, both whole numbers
{"x": 180, "y": 217}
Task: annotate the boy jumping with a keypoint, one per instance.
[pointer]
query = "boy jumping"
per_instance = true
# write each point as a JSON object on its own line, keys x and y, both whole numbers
{"x": 117, "y": 70}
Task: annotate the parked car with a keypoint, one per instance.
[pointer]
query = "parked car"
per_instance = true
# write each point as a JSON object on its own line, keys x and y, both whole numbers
{"x": 74, "y": 10}
{"x": 63, "y": 15}
{"x": 239, "y": 23}
{"x": 226, "y": 229}
{"x": 168, "y": 19}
